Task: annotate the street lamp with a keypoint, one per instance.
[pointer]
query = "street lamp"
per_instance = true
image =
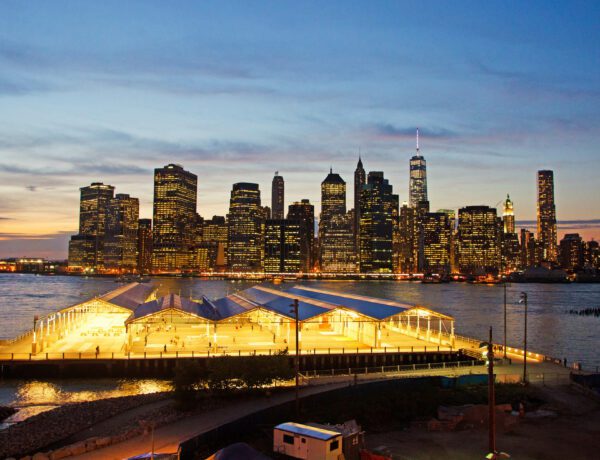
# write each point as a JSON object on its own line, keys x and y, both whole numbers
{"x": 294, "y": 311}
{"x": 524, "y": 301}
{"x": 491, "y": 393}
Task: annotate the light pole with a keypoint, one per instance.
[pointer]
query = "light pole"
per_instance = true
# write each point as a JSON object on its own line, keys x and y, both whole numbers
{"x": 524, "y": 301}
{"x": 294, "y": 310}
{"x": 504, "y": 286}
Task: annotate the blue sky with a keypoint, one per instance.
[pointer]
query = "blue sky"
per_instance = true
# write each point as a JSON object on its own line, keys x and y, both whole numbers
{"x": 233, "y": 91}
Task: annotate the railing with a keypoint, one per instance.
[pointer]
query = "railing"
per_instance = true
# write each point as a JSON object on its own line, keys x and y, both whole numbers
{"x": 212, "y": 353}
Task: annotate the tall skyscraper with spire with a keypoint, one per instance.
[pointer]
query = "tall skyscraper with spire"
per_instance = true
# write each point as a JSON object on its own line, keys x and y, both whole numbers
{"x": 417, "y": 193}
{"x": 546, "y": 215}
{"x": 508, "y": 216}
{"x": 360, "y": 179}
{"x": 277, "y": 191}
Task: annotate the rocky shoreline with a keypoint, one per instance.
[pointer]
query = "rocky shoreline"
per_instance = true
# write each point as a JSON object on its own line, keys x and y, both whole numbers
{"x": 6, "y": 412}
{"x": 58, "y": 425}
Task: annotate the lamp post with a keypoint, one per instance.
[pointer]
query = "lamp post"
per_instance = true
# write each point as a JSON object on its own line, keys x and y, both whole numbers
{"x": 504, "y": 286}
{"x": 524, "y": 301}
{"x": 294, "y": 311}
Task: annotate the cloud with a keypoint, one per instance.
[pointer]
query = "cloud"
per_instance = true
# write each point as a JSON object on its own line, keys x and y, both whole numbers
{"x": 31, "y": 188}
{"x": 579, "y": 224}
{"x": 389, "y": 130}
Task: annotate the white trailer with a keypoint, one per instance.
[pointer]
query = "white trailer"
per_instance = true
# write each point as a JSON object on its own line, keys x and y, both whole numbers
{"x": 307, "y": 442}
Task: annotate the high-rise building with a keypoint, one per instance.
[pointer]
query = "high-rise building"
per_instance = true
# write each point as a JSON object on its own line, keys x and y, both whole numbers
{"x": 437, "y": 229}
{"x": 377, "y": 207}
{"x": 546, "y": 215}
{"x": 86, "y": 249}
{"x": 211, "y": 253}
{"x": 336, "y": 236}
{"x": 121, "y": 233}
{"x": 592, "y": 255}
{"x": 304, "y": 212}
{"x": 283, "y": 246}
{"x": 277, "y": 197}
{"x": 530, "y": 250}
{"x": 360, "y": 179}
{"x": 508, "y": 216}
{"x": 245, "y": 248}
{"x": 478, "y": 239}
{"x": 144, "y": 246}
{"x": 408, "y": 247}
{"x": 175, "y": 197}
{"x": 572, "y": 252}
{"x": 417, "y": 192}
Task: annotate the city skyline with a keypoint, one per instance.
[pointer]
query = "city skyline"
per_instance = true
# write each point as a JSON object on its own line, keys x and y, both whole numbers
{"x": 282, "y": 88}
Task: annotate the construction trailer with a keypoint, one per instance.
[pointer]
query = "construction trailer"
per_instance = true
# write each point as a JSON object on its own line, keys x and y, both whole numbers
{"x": 307, "y": 442}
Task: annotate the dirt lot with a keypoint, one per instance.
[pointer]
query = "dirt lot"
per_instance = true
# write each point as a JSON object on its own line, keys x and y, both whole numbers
{"x": 574, "y": 433}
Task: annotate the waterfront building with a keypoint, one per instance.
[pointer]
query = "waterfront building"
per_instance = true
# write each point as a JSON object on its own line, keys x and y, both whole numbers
{"x": 304, "y": 212}
{"x": 437, "y": 230}
{"x": 144, "y": 246}
{"x": 174, "y": 218}
{"x": 592, "y": 254}
{"x": 478, "y": 239}
{"x": 214, "y": 234}
{"x": 376, "y": 209}
{"x": 121, "y": 233}
{"x": 409, "y": 243}
{"x": 530, "y": 250}
{"x": 546, "y": 215}
{"x": 336, "y": 236}
{"x": 360, "y": 179}
{"x": 417, "y": 192}
{"x": 86, "y": 249}
{"x": 245, "y": 247}
{"x": 277, "y": 197}
{"x": 283, "y": 246}
{"x": 572, "y": 252}
{"x": 508, "y": 216}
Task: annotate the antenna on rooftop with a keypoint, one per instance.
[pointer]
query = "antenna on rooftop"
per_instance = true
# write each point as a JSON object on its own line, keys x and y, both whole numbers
{"x": 417, "y": 141}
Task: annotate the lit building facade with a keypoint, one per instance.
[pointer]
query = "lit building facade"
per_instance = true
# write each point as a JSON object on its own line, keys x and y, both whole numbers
{"x": 417, "y": 192}
{"x": 437, "y": 230}
{"x": 530, "y": 250}
{"x": 277, "y": 197}
{"x": 336, "y": 236}
{"x": 283, "y": 246}
{"x": 215, "y": 233}
{"x": 377, "y": 207}
{"x": 546, "y": 215}
{"x": 86, "y": 249}
{"x": 246, "y": 218}
{"x": 144, "y": 246}
{"x": 360, "y": 179}
{"x": 121, "y": 233}
{"x": 408, "y": 234}
{"x": 304, "y": 212}
{"x": 175, "y": 198}
{"x": 572, "y": 252}
{"x": 478, "y": 239}
{"x": 508, "y": 216}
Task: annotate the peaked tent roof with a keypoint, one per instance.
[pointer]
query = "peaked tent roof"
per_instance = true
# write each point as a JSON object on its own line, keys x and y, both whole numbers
{"x": 176, "y": 302}
{"x": 129, "y": 296}
{"x": 282, "y": 304}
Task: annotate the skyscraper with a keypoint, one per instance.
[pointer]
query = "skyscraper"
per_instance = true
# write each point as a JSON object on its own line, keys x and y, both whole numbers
{"x": 478, "y": 239}
{"x": 359, "y": 180}
{"x": 546, "y": 215}
{"x": 86, "y": 249}
{"x": 175, "y": 195}
{"x": 530, "y": 250}
{"x": 437, "y": 228}
{"x": 418, "y": 181}
{"x": 572, "y": 252}
{"x": 282, "y": 246}
{"x": 508, "y": 216}
{"x": 377, "y": 207}
{"x": 121, "y": 233}
{"x": 408, "y": 247}
{"x": 336, "y": 238}
{"x": 144, "y": 244}
{"x": 245, "y": 249}
{"x": 277, "y": 200}
{"x": 304, "y": 212}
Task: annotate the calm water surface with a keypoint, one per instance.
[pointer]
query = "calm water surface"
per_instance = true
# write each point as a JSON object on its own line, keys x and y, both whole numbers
{"x": 475, "y": 307}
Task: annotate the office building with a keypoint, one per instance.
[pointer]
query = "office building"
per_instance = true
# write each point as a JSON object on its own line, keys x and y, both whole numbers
{"x": 377, "y": 207}
{"x": 360, "y": 179}
{"x": 283, "y": 246}
{"x": 144, "y": 246}
{"x": 572, "y": 252}
{"x": 304, "y": 212}
{"x": 336, "y": 236}
{"x": 277, "y": 197}
{"x": 546, "y": 215}
{"x": 437, "y": 230}
{"x": 478, "y": 240}
{"x": 245, "y": 247}
{"x": 418, "y": 181}
{"x": 121, "y": 234}
{"x": 174, "y": 219}
{"x": 408, "y": 247}
{"x": 508, "y": 216}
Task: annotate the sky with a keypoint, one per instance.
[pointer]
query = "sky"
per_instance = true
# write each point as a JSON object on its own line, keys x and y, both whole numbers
{"x": 234, "y": 91}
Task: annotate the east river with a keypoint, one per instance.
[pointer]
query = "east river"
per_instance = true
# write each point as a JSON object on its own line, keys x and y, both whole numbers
{"x": 551, "y": 330}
